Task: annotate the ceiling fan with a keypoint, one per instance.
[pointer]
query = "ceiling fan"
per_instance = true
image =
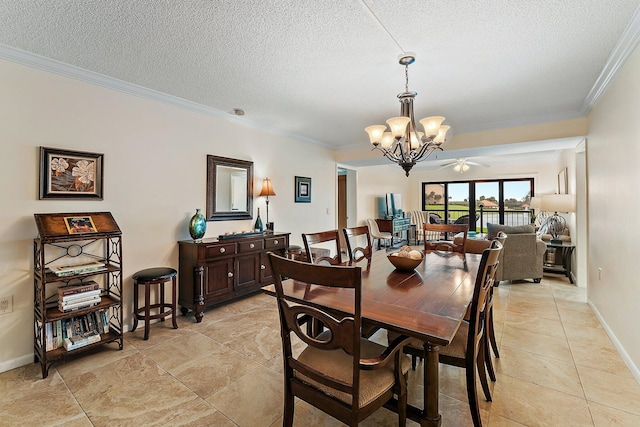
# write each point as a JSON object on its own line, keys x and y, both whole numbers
{"x": 462, "y": 165}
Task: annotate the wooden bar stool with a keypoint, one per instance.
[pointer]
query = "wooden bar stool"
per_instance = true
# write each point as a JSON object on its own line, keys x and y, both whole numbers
{"x": 148, "y": 277}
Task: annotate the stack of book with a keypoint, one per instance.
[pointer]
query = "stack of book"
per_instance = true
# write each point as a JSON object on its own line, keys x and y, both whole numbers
{"x": 78, "y": 296}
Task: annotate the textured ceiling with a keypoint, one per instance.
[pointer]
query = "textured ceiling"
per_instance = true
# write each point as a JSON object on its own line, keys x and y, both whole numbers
{"x": 323, "y": 70}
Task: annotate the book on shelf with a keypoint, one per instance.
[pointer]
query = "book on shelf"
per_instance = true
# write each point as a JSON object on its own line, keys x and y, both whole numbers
{"x": 65, "y": 308}
{"x": 79, "y": 296}
{"x": 78, "y": 288}
{"x": 70, "y": 270}
{"x": 78, "y": 301}
{"x": 77, "y": 341}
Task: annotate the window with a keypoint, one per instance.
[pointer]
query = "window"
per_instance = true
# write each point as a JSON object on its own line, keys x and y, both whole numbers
{"x": 502, "y": 201}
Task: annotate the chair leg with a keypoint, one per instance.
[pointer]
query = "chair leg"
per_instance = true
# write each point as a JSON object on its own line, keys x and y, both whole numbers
{"x": 402, "y": 403}
{"x": 481, "y": 363}
{"x": 472, "y": 396}
{"x": 287, "y": 419}
{"x": 492, "y": 334}
{"x": 488, "y": 362}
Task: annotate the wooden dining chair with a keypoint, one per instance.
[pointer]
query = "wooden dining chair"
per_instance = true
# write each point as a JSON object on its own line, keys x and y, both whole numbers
{"x": 358, "y": 253}
{"x": 338, "y": 372}
{"x": 491, "y": 334}
{"x": 467, "y": 350}
{"x": 310, "y": 239}
{"x": 446, "y": 247}
{"x": 469, "y": 347}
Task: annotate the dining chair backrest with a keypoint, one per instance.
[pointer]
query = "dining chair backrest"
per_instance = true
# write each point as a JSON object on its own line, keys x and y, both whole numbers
{"x": 447, "y": 247}
{"x": 327, "y": 373}
{"x": 310, "y": 239}
{"x": 470, "y": 351}
{"x": 358, "y": 253}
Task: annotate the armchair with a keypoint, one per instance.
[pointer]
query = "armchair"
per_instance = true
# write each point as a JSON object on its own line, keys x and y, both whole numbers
{"x": 522, "y": 255}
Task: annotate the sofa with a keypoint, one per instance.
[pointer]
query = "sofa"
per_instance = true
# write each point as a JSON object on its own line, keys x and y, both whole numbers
{"x": 522, "y": 256}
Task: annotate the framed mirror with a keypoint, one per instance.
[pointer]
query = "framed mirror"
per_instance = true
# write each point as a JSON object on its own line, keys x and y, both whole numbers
{"x": 229, "y": 189}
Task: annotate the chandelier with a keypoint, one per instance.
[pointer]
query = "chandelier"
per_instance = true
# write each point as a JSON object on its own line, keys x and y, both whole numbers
{"x": 403, "y": 144}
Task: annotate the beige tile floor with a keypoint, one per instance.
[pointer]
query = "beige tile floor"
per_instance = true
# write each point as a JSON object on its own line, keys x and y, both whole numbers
{"x": 557, "y": 368}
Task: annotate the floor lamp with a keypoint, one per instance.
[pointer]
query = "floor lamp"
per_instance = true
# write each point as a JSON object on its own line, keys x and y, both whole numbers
{"x": 267, "y": 190}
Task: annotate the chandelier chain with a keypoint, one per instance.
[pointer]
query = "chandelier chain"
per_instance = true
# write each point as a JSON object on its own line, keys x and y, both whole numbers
{"x": 406, "y": 78}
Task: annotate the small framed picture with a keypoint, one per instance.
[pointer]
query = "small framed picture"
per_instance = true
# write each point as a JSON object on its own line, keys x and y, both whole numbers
{"x": 68, "y": 174}
{"x": 303, "y": 189}
{"x": 80, "y": 224}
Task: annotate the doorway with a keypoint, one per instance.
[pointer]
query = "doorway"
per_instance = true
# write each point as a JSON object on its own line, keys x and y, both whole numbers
{"x": 347, "y": 201}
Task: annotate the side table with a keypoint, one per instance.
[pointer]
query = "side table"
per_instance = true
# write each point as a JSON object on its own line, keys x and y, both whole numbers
{"x": 566, "y": 252}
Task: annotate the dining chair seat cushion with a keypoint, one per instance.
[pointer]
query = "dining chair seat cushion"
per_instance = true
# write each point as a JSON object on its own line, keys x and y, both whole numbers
{"x": 338, "y": 364}
{"x": 458, "y": 347}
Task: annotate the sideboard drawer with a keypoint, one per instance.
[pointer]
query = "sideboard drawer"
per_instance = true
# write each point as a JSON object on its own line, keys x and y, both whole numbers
{"x": 250, "y": 246}
{"x": 274, "y": 243}
{"x": 218, "y": 250}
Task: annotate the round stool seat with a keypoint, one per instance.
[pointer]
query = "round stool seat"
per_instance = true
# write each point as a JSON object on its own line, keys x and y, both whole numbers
{"x": 294, "y": 251}
{"x": 154, "y": 277}
{"x": 156, "y": 273}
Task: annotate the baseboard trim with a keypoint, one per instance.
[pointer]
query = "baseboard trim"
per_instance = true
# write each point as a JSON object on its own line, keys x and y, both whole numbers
{"x": 625, "y": 356}
{"x": 16, "y": 363}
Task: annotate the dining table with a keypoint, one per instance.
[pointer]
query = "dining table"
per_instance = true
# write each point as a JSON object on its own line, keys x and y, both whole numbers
{"x": 428, "y": 303}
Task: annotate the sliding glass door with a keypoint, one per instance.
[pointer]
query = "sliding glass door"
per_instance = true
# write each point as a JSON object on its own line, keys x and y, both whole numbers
{"x": 502, "y": 201}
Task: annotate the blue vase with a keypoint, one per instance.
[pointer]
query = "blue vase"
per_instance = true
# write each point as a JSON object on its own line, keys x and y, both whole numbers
{"x": 197, "y": 226}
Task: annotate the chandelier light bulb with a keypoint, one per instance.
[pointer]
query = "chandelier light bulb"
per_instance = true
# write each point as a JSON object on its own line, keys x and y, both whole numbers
{"x": 387, "y": 140}
{"x": 416, "y": 141}
{"x": 432, "y": 125}
{"x": 375, "y": 133}
{"x": 442, "y": 133}
{"x": 398, "y": 125}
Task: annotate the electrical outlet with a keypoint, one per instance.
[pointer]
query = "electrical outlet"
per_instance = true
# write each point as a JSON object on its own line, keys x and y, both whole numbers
{"x": 6, "y": 304}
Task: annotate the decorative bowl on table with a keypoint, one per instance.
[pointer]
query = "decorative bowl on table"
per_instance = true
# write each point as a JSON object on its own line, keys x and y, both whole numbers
{"x": 406, "y": 259}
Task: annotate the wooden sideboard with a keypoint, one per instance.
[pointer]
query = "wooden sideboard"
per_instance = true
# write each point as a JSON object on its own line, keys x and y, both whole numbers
{"x": 398, "y": 227}
{"x": 217, "y": 270}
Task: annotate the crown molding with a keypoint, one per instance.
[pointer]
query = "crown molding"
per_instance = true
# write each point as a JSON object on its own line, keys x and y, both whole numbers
{"x": 625, "y": 46}
{"x": 49, "y": 65}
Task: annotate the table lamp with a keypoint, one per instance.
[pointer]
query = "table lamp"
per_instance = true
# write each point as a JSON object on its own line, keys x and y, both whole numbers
{"x": 556, "y": 224}
{"x": 267, "y": 190}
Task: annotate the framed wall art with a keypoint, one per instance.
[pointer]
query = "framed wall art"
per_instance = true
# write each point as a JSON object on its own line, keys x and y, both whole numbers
{"x": 66, "y": 174}
{"x": 303, "y": 189}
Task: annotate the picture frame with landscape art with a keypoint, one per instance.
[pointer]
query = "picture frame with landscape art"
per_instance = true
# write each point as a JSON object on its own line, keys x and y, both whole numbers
{"x": 66, "y": 174}
{"x": 303, "y": 189}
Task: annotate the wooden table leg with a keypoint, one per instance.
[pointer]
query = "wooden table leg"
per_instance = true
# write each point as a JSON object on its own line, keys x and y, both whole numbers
{"x": 431, "y": 415}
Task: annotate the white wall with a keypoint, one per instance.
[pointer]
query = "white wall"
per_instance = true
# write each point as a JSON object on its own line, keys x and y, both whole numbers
{"x": 613, "y": 166}
{"x": 154, "y": 179}
{"x": 376, "y": 181}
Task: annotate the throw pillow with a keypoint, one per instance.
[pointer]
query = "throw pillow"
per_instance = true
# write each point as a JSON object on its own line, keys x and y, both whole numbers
{"x": 494, "y": 229}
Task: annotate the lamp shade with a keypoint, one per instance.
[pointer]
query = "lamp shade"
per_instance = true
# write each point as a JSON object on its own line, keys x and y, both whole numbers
{"x": 398, "y": 125}
{"x": 375, "y": 133}
{"x": 536, "y": 203}
{"x": 442, "y": 133}
{"x": 267, "y": 188}
{"x": 558, "y": 203}
{"x": 432, "y": 125}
